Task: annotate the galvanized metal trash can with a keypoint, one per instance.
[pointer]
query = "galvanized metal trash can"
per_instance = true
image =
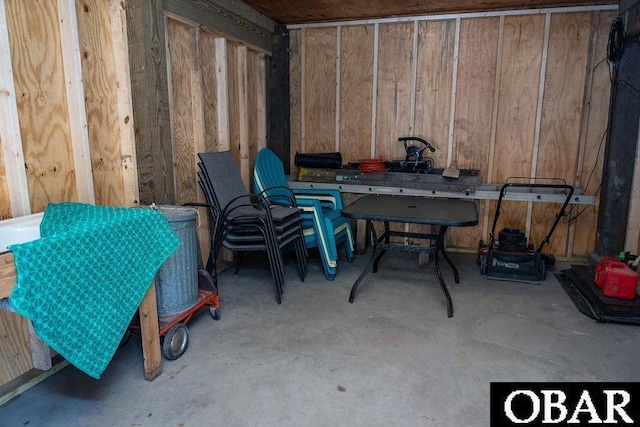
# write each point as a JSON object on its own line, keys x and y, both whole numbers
{"x": 177, "y": 278}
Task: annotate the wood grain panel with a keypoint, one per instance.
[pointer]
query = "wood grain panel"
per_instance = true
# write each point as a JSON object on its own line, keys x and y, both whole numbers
{"x": 243, "y": 114}
{"x": 42, "y": 106}
{"x": 182, "y": 61}
{"x": 475, "y": 91}
{"x": 434, "y": 79}
{"x": 222, "y": 89}
{"x": 252, "y": 108}
{"x": 98, "y": 76}
{"x": 561, "y": 113}
{"x": 209, "y": 89}
{"x": 395, "y": 71}
{"x": 14, "y": 193}
{"x": 433, "y": 86}
{"x": 256, "y": 80}
{"x": 124, "y": 107}
{"x": 394, "y": 93}
{"x": 356, "y": 86}
{"x": 320, "y": 90}
{"x": 476, "y": 78}
{"x": 15, "y": 350}
{"x": 586, "y": 217}
{"x": 295, "y": 87}
{"x": 234, "y": 100}
{"x": 150, "y": 100}
{"x": 519, "y": 84}
{"x": 262, "y": 101}
{"x": 209, "y": 92}
{"x": 5, "y": 205}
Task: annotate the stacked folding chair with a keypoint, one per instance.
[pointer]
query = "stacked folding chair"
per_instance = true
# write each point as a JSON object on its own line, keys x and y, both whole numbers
{"x": 243, "y": 222}
{"x": 321, "y": 211}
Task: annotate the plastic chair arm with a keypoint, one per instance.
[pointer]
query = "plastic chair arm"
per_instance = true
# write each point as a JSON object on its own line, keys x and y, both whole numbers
{"x": 287, "y": 199}
{"x": 326, "y": 195}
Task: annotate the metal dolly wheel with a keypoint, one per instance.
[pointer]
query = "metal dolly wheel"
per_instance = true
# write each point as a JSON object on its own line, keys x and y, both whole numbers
{"x": 174, "y": 334}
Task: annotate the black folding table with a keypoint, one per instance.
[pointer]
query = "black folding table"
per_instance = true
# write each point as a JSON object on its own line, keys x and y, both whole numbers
{"x": 443, "y": 213}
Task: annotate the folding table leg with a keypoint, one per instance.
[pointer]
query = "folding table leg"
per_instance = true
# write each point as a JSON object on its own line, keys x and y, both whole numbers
{"x": 440, "y": 248}
{"x": 436, "y": 268}
{"x": 372, "y": 259}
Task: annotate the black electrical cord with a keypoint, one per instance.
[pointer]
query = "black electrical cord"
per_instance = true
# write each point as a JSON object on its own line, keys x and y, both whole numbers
{"x": 570, "y": 216}
{"x": 615, "y": 45}
{"x": 615, "y": 50}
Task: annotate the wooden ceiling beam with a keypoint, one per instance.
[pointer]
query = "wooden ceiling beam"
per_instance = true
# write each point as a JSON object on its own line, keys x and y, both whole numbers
{"x": 308, "y": 11}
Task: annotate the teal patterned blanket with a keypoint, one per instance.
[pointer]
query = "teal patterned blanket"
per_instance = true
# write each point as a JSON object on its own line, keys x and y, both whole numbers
{"x": 81, "y": 283}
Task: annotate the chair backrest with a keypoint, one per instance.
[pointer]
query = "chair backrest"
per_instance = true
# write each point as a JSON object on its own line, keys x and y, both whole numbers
{"x": 269, "y": 177}
{"x": 223, "y": 177}
{"x": 214, "y": 209}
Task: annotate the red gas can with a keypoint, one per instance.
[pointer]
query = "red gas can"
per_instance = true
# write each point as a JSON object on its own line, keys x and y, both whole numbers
{"x": 619, "y": 281}
{"x": 603, "y": 267}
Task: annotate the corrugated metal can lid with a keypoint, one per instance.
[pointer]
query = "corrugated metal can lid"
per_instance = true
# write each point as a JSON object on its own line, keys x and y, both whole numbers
{"x": 177, "y": 213}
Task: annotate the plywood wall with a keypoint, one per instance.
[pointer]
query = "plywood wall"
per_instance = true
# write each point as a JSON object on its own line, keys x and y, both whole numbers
{"x": 42, "y": 104}
{"x": 68, "y": 122}
{"x": 67, "y": 130}
{"x": 217, "y": 103}
{"x": 509, "y": 94}
{"x": 72, "y": 104}
{"x": 15, "y": 350}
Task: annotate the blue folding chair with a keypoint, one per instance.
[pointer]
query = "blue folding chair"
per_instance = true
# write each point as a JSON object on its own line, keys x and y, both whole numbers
{"x": 323, "y": 225}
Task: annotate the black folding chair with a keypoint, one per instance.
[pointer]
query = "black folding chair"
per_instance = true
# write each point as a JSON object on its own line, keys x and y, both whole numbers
{"x": 243, "y": 222}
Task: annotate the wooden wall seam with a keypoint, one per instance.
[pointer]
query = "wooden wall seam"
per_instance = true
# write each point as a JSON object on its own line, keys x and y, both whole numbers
{"x": 454, "y": 82}
{"x": 538, "y": 124}
{"x": 243, "y": 116}
{"x": 125, "y": 123}
{"x": 414, "y": 79}
{"x": 374, "y": 96}
{"x": 197, "y": 98}
{"x": 171, "y": 148}
{"x": 261, "y": 101}
{"x": 303, "y": 90}
{"x": 338, "y": 87}
{"x": 222, "y": 101}
{"x": 494, "y": 122}
{"x": 150, "y": 94}
{"x": 584, "y": 119}
{"x": 76, "y": 100}
{"x": 15, "y": 182}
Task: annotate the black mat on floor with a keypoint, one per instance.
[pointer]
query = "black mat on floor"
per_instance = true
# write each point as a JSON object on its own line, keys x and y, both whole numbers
{"x": 588, "y": 298}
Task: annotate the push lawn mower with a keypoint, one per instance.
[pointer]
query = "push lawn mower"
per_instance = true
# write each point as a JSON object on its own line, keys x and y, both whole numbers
{"x": 511, "y": 257}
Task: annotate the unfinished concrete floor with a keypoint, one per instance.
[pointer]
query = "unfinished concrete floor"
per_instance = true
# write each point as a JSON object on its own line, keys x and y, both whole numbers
{"x": 391, "y": 358}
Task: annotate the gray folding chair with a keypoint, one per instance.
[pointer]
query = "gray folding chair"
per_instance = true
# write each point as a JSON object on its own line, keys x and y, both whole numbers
{"x": 243, "y": 222}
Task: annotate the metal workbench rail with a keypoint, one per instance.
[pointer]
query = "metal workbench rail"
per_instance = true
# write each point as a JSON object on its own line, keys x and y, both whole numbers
{"x": 481, "y": 192}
